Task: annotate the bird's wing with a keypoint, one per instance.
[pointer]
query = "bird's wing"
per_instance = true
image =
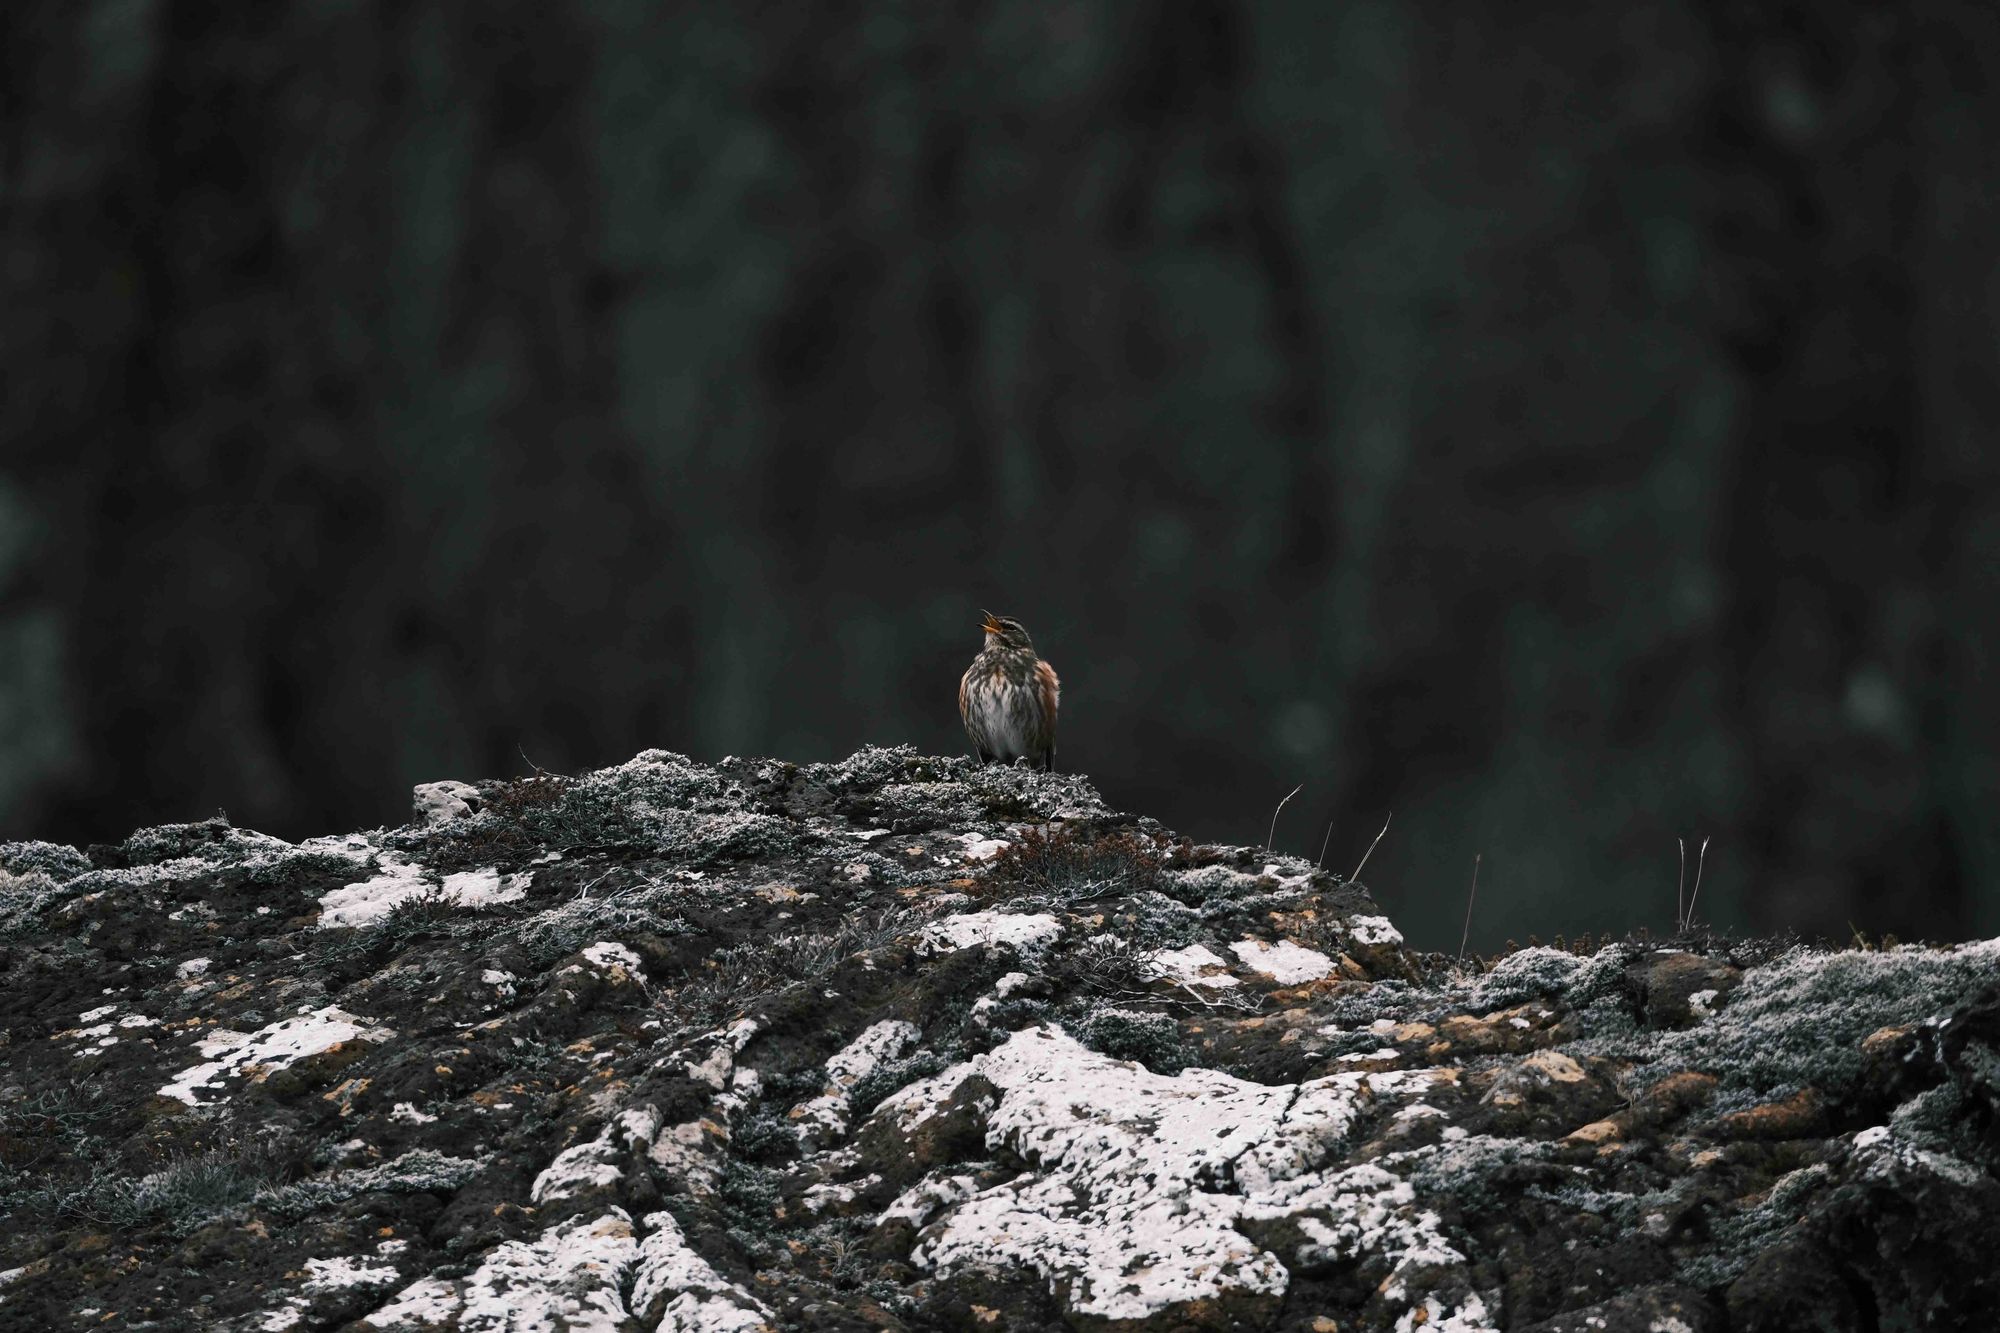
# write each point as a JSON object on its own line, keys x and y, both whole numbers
{"x": 967, "y": 714}
{"x": 1042, "y": 726}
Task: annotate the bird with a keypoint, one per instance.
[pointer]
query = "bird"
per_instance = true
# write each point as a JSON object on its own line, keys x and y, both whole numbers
{"x": 1007, "y": 698}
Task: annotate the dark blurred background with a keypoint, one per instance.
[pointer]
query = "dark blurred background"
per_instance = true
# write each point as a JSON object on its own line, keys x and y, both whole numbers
{"x": 1564, "y": 426}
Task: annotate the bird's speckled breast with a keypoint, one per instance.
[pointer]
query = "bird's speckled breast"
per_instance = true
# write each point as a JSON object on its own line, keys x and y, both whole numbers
{"x": 1008, "y": 701}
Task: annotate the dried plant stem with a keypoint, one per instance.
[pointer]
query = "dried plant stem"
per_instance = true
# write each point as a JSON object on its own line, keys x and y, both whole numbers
{"x": 1320, "y": 864}
{"x": 1471, "y": 896}
{"x": 1274, "y": 817}
{"x": 1680, "y": 889}
{"x": 1371, "y": 848}
{"x": 540, "y": 772}
{"x": 1701, "y": 861}
{"x": 1201, "y": 999}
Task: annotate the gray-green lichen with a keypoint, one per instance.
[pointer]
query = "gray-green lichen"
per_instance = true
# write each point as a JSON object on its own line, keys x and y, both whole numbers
{"x": 51, "y": 859}
{"x": 1800, "y": 1019}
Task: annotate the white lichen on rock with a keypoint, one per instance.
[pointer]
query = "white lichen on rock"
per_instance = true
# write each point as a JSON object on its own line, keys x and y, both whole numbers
{"x": 609, "y": 955}
{"x": 599, "y": 1163}
{"x": 1024, "y": 931}
{"x": 436, "y": 802}
{"x": 1138, "y": 1182}
{"x": 677, "y": 1291}
{"x": 1195, "y": 965}
{"x": 979, "y": 847}
{"x": 398, "y": 881}
{"x": 824, "y": 1118}
{"x": 570, "y": 1279}
{"x": 344, "y": 1271}
{"x": 692, "y": 1153}
{"x": 1374, "y": 931}
{"x": 277, "y": 1046}
{"x": 922, "y": 1201}
{"x": 1286, "y": 963}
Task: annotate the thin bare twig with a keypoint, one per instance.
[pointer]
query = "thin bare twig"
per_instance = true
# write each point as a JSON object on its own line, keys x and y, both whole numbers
{"x": 1234, "y": 1000}
{"x": 540, "y": 772}
{"x": 1321, "y": 863}
{"x": 1371, "y": 848}
{"x": 1274, "y": 818}
{"x": 1680, "y": 889}
{"x": 1470, "y": 896}
{"x": 1205, "y": 1002}
{"x": 1700, "y": 862}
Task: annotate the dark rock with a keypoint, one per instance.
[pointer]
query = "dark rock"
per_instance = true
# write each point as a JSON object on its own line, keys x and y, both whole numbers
{"x": 1965, "y": 1047}
{"x": 1547, "y": 1094}
{"x": 1914, "y": 1230}
{"x": 1673, "y": 988}
{"x": 988, "y": 1302}
{"x": 1794, "y": 1284}
{"x": 1648, "y": 1310}
{"x": 902, "y": 1151}
{"x": 1553, "y": 1259}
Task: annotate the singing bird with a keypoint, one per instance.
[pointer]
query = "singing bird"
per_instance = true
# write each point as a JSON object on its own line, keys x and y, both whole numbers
{"x": 1007, "y": 698}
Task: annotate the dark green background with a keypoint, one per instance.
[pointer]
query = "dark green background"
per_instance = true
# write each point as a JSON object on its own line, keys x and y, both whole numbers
{"x": 1566, "y": 426}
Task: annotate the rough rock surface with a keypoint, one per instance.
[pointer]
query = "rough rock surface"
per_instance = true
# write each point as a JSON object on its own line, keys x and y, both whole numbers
{"x": 905, "y": 1043}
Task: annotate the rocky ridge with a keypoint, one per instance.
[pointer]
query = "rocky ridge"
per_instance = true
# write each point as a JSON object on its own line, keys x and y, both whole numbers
{"x": 906, "y": 1043}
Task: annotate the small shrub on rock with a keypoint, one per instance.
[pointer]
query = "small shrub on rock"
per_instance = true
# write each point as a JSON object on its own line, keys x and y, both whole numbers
{"x": 180, "y": 1196}
{"x": 420, "y": 1172}
{"x": 1154, "y": 1040}
{"x": 892, "y": 1076}
{"x": 53, "y": 1120}
{"x": 1155, "y": 921}
{"x": 1075, "y": 864}
{"x": 1104, "y": 965}
{"x": 766, "y": 1138}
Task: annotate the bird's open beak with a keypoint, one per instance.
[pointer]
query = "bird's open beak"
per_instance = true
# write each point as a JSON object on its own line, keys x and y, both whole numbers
{"x": 991, "y": 623}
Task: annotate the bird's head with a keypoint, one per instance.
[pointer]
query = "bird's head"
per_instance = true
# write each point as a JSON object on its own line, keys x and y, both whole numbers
{"x": 1004, "y": 633}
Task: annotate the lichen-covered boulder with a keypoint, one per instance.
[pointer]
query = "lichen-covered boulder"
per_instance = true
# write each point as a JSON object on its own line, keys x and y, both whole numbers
{"x": 905, "y": 1042}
